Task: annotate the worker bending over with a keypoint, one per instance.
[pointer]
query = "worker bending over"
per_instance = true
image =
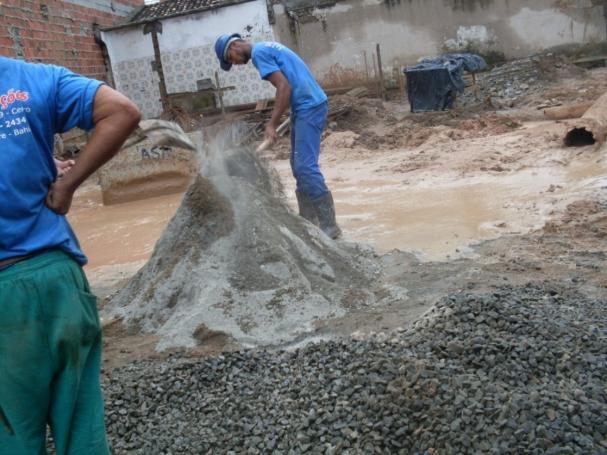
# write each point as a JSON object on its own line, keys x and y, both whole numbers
{"x": 297, "y": 89}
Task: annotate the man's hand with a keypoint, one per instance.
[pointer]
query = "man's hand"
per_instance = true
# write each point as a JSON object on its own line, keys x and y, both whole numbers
{"x": 63, "y": 166}
{"x": 59, "y": 197}
{"x": 270, "y": 133}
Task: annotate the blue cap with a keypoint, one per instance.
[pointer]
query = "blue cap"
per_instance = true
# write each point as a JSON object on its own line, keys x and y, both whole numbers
{"x": 221, "y": 46}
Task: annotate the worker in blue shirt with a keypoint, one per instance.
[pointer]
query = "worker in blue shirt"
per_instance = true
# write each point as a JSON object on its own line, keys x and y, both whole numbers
{"x": 295, "y": 88}
{"x": 50, "y": 333}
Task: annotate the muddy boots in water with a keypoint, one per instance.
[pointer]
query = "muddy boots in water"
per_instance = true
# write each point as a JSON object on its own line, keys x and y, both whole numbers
{"x": 306, "y": 208}
{"x": 325, "y": 210}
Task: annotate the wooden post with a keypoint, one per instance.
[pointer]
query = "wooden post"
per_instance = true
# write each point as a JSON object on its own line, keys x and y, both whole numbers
{"x": 154, "y": 28}
{"x": 374, "y": 66}
{"x": 401, "y": 82}
{"x": 381, "y": 74}
{"x": 568, "y": 111}
{"x": 366, "y": 65}
{"x": 475, "y": 86}
{"x": 219, "y": 93}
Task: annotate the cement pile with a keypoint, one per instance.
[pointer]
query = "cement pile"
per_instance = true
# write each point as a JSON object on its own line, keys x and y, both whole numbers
{"x": 235, "y": 259}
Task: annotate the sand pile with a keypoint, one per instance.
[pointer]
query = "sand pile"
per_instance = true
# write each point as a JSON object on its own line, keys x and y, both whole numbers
{"x": 235, "y": 259}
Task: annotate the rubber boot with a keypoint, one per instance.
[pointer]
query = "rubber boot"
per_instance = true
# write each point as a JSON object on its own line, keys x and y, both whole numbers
{"x": 306, "y": 208}
{"x": 325, "y": 210}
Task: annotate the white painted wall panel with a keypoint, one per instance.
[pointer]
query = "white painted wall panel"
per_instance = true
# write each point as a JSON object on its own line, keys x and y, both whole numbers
{"x": 334, "y": 40}
{"x": 187, "y": 53}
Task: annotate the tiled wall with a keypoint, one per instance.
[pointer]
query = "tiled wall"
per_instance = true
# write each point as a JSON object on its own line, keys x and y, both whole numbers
{"x": 182, "y": 69}
{"x": 135, "y": 79}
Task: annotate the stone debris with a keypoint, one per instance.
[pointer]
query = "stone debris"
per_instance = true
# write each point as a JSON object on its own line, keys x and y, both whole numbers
{"x": 517, "y": 370}
{"x": 507, "y": 85}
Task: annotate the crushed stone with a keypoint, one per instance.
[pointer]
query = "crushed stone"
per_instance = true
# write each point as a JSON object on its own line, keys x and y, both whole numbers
{"x": 518, "y": 370}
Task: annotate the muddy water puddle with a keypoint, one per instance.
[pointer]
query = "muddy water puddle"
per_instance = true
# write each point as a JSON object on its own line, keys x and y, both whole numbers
{"x": 435, "y": 219}
{"x": 122, "y": 233}
{"x": 441, "y": 218}
{"x": 587, "y": 174}
{"x": 435, "y": 222}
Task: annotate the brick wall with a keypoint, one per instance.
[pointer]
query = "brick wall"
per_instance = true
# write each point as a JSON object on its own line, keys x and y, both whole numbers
{"x": 60, "y": 32}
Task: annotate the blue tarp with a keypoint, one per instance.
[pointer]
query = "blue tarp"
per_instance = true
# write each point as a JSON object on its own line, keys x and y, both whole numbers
{"x": 432, "y": 84}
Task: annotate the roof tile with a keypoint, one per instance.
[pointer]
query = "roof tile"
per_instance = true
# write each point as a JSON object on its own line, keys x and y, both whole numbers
{"x": 178, "y": 7}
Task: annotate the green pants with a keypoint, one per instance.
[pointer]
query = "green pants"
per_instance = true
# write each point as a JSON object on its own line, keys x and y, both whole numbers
{"x": 50, "y": 359}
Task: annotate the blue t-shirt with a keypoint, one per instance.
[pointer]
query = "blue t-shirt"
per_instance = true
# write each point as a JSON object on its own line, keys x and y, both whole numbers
{"x": 36, "y": 101}
{"x": 269, "y": 57}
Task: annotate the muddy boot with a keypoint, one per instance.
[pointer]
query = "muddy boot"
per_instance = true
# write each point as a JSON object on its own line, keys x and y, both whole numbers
{"x": 306, "y": 208}
{"x": 325, "y": 210}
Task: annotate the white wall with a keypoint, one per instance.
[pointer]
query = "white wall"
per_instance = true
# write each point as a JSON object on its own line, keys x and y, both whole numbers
{"x": 187, "y": 53}
{"x": 333, "y": 40}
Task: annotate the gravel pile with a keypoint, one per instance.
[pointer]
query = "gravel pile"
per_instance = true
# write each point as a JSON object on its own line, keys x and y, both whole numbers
{"x": 508, "y": 84}
{"x": 520, "y": 370}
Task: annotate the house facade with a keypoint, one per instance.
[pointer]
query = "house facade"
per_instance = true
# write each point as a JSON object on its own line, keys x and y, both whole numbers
{"x": 187, "y": 51}
{"x": 336, "y": 38}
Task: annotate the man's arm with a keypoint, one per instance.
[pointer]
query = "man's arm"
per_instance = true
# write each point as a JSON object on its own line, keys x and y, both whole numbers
{"x": 281, "y": 103}
{"x": 114, "y": 117}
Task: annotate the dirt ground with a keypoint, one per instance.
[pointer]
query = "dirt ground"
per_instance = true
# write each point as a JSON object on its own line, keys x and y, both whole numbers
{"x": 465, "y": 199}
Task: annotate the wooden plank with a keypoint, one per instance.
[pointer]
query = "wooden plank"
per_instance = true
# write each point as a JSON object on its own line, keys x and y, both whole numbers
{"x": 357, "y": 92}
{"x": 569, "y": 111}
{"x": 382, "y": 87}
{"x": 591, "y": 62}
{"x": 596, "y": 58}
{"x": 262, "y": 104}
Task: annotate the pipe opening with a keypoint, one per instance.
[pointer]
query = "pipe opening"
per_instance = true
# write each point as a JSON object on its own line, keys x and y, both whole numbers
{"x": 579, "y": 137}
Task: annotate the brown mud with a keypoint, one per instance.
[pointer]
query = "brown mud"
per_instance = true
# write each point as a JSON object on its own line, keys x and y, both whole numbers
{"x": 468, "y": 199}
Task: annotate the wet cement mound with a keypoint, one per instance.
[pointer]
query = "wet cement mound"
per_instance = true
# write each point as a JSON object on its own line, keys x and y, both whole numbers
{"x": 236, "y": 260}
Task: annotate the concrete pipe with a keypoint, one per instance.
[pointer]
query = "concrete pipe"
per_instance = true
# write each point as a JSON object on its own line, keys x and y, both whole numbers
{"x": 591, "y": 128}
